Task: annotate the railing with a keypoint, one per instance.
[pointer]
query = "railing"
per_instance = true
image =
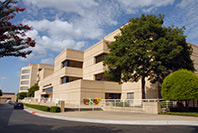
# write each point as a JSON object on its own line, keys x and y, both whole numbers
{"x": 87, "y": 105}
{"x": 126, "y": 102}
{"x": 80, "y": 105}
{"x": 43, "y": 101}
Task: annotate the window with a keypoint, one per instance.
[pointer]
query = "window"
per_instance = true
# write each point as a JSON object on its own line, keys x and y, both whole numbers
{"x": 99, "y": 77}
{"x": 26, "y": 71}
{"x": 100, "y": 58}
{"x": 68, "y": 79}
{"x": 24, "y": 88}
{"x": 24, "y": 82}
{"x": 48, "y": 90}
{"x": 25, "y": 77}
{"x": 112, "y": 95}
{"x": 47, "y": 85}
{"x": 71, "y": 63}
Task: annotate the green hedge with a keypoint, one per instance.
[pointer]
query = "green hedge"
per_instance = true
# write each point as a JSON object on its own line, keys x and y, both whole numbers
{"x": 55, "y": 109}
{"x": 122, "y": 104}
{"x": 44, "y": 108}
{"x": 180, "y": 113}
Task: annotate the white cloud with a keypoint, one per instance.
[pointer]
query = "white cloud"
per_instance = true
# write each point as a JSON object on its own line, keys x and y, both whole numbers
{"x": 133, "y": 6}
{"x": 48, "y": 61}
{"x": 187, "y": 16}
{"x": 56, "y": 36}
{"x": 60, "y": 29}
{"x": 85, "y": 20}
{"x": 185, "y": 3}
{"x": 77, "y": 6}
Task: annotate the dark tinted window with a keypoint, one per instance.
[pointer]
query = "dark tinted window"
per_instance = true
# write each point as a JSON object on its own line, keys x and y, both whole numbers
{"x": 100, "y": 58}
{"x": 68, "y": 79}
{"x": 99, "y": 77}
{"x": 71, "y": 63}
{"x": 48, "y": 90}
{"x": 26, "y": 71}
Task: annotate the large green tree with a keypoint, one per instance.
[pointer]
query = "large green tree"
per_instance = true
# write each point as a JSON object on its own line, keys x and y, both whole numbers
{"x": 32, "y": 89}
{"x": 1, "y": 92}
{"x": 147, "y": 49}
{"x": 21, "y": 95}
{"x": 181, "y": 85}
{"x": 13, "y": 40}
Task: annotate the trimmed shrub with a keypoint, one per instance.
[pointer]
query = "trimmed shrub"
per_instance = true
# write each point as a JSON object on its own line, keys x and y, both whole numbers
{"x": 39, "y": 107}
{"x": 55, "y": 109}
{"x": 122, "y": 104}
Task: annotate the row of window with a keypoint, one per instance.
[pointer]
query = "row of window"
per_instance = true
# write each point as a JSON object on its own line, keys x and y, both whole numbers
{"x": 25, "y": 71}
{"x": 98, "y": 77}
{"x": 48, "y": 90}
{"x": 100, "y": 57}
{"x": 25, "y": 77}
{"x": 69, "y": 79}
{"x": 23, "y": 88}
{"x": 71, "y": 63}
{"x": 24, "y": 82}
{"x": 78, "y": 64}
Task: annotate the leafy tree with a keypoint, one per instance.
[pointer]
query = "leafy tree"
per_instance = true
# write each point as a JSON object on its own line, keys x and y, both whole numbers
{"x": 146, "y": 49}
{"x": 181, "y": 85}
{"x": 21, "y": 95}
{"x": 13, "y": 40}
{"x": 32, "y": 89}
{"x": 1, "y": 92}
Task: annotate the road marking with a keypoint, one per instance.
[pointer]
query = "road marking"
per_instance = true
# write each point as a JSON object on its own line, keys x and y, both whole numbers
{"x": 33, "y": 112}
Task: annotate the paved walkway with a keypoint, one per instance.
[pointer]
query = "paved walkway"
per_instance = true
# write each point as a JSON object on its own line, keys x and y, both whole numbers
{"x": 107, "y": 117}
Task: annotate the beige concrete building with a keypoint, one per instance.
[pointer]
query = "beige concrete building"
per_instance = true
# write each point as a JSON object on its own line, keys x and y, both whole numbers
{"x": 7, "y": 96}
{"x": 29, "y": 75}
{"x": 79, "y": 75}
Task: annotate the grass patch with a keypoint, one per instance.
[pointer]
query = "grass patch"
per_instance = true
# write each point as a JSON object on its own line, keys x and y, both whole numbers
{"x": 181, "y": 113}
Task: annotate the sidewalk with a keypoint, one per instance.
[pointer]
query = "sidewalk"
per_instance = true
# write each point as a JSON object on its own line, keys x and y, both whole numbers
{"x": 106, "y": 117}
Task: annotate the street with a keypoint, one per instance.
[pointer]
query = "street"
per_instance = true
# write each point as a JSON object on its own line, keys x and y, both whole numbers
{"x": 19, "y": 121}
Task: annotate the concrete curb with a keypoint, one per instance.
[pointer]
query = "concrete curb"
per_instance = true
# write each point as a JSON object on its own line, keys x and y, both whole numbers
{"x": 120, "y": 122}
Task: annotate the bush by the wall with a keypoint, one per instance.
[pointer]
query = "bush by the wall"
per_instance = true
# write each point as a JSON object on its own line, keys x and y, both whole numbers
{"x": 44, "y": 108}
{"x": 122, "y": 104}
{"x": 55, "y": 109}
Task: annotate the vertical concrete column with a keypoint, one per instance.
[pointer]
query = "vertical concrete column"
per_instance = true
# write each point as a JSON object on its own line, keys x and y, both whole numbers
{"x": 62, "y": 105}
{"x": 151, "y": 107}
{"x": 36, "y": 101}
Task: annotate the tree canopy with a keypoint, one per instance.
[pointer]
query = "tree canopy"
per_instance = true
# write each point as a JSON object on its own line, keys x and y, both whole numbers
{"x": 145, "y": 48}
{"x": 21, "y": 95}
{"x": 180, "y": 85}
{"x": 32, "y": 89}
{"x": 13, "y": 40}
{"x": 1, "y": 92}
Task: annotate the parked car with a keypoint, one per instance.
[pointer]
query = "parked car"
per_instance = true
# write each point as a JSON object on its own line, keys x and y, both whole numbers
{"x": 10, "y": 102}
{"x": 18, "y": 105}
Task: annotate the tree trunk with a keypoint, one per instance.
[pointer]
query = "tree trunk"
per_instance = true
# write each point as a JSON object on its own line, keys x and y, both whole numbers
{"x": 159, "y": 90}
{"x": 143, "y": 87}
{"x": 187, "y": 102}
{"x": 193, "y": 103}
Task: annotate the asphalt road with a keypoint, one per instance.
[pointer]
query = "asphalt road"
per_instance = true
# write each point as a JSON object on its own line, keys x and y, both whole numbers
{"x": 19, "y": 121}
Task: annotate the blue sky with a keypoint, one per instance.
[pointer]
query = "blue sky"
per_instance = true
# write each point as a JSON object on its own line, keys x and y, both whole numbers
{"x": 79, "y": 24}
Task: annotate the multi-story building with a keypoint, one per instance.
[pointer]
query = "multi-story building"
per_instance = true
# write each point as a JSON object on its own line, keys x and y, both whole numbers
{"x": 79, "y": 75}
{"x": 29, "y": 75}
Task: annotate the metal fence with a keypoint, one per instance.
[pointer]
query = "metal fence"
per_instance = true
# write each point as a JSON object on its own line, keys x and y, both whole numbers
{"x": 90, "y": 105}
{"x": 127, "y": 102}
{"x": 42, "y": 101}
